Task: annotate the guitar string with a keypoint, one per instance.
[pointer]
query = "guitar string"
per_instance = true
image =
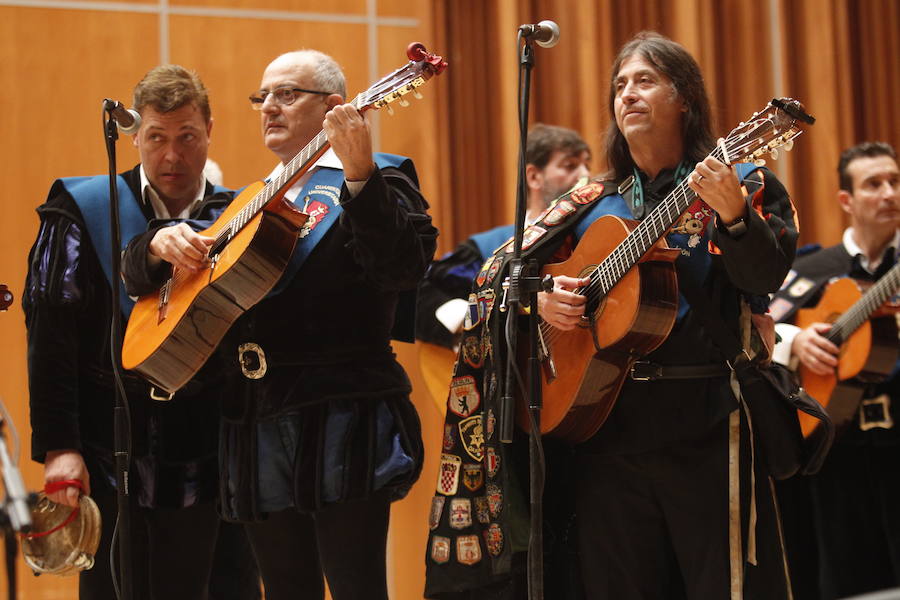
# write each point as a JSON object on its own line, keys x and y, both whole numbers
{"x": 606, "y": 275}
{"x": 399, "y": 80}
{"x": 877, "y": 295}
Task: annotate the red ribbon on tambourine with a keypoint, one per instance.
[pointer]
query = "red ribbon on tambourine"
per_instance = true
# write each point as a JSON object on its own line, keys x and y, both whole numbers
{"x": 63, "y": 541}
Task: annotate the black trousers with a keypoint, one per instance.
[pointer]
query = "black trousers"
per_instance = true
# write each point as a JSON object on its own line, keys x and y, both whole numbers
{"x": 172, "y": 551}
{"x": 345, "y": 541}
{"x": 654, "y": 525}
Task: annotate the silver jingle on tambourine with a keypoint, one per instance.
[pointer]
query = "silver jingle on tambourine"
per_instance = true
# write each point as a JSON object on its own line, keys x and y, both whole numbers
{"x": 69, "y": 549}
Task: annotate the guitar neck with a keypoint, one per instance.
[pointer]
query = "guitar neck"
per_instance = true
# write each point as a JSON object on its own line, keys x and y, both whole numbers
{"x": 648, "y": 232}
{"x": 293, "y": 170}
{"x": 863, "y": 308}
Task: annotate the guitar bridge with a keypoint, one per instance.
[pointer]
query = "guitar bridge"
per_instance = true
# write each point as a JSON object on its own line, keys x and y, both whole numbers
{"x": 163, "y": 308}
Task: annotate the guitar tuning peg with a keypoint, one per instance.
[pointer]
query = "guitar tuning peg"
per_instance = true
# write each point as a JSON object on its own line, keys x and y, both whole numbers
{"x": 390, "y": 109}
{"x": 789, "y": 145}
{"x": 417, "y": 95}
{"x": 774, "y": 153}
{"x": 403, "y": 102}
{"x": 759, "y": 162}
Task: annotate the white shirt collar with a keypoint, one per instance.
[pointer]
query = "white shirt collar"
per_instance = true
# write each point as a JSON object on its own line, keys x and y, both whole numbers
{"x": 159, "y": 207}
{"x": 329, "y": 160}
{"x": 853, "y": 249}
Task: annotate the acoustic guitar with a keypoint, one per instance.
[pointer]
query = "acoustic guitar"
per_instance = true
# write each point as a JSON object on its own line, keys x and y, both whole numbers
{"x": 864, "y": 327}
{"x": 172, "y": 333}
{"x": 633, "y": 289}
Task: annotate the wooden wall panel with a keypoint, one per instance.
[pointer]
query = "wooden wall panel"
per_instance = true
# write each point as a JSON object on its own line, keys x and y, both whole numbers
{"x": 53, "y": 84}
{"x": 308, "y": 7}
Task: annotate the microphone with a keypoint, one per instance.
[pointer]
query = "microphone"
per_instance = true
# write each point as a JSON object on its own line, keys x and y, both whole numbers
{"x": 545, "y": 33}
{"x": 17, "y": 508}
{"x": 127, "y": 120}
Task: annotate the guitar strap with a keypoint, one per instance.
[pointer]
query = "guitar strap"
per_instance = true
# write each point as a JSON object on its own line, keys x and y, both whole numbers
{"x": 479, "y": 515}
{"x": 807, "y": 279}
{"x": 91, "y": 194}
{"x": 320, "y": 199}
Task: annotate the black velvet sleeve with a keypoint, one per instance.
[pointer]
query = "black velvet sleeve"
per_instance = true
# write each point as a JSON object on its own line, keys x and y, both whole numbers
{"x": 758, "y": 260}
{"x": 141, "y": 279}
{"x": 58, "y": 291}
{"x": 448, "y": 278}
{"x": 392, "y": 237}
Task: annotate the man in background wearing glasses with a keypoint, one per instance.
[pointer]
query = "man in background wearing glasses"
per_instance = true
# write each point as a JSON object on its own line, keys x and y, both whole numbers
{"x": 319, "y": 434}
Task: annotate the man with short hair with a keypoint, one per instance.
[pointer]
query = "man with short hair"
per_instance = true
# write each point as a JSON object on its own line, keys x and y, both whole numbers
{"x": 319, "y": 441}
{"x": 555, "y": 159}
{"x": 68, "y": 310}
{"x": 853, "y": 501}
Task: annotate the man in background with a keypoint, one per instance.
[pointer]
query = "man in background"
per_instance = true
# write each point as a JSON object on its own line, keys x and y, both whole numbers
{"x": 555, "y": 159}
{"x": 848, "y": 514}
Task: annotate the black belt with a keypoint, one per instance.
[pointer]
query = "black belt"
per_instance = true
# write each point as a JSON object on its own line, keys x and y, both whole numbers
{"x": 643, "y": 370}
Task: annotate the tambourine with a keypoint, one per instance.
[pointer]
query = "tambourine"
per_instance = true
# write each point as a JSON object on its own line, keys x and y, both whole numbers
{"x": 63, "y": 539}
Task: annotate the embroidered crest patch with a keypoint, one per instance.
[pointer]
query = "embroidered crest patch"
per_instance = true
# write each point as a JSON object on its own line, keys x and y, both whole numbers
{"x": 460, "y": 513}
{"x": 481, "y": 510}
{"x": 492, "y": 461}
{"x": 483, "y": 271}
{"x": 440, "y": 549}
{"x": 493, "y": 539}
{"x": 471, "y": 436}
{"x": 473, "y": 477}
{"x": 587, "y": 193}
{"x": 449, "y": 437}
{"x": 448, "y": 476}
{"x": 485, "y": 302}
{"x": 437, "y": 508}
{"x": 788, "y": 279}
{"x": 531, "y": 235}
{"x": 558, "y": 213}
{"x": 472, "y": 317}
{"x": 471, "y": 351}
{"x": 463, "y": 398}
{"x": 800, "y": 287}
{"x": 495, "y": 499}
{"x": 468, "y": 550}
{"x": 495, "y": 268}
{"x": 316, "y": 211}
{"x": 779, "y": 308}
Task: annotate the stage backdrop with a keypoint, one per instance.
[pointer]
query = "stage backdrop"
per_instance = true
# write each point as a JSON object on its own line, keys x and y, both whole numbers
{"x": 59, "y": 59}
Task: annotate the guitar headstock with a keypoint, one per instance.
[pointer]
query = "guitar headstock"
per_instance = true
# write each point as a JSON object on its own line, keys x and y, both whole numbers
{"x": 420, "y": 68}
{"x": 776, "y": 126}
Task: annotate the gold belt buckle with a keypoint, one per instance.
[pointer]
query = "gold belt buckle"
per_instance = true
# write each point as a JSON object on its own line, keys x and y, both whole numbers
{"x": 252, "y": 360}
{"x": 875, "y": 412}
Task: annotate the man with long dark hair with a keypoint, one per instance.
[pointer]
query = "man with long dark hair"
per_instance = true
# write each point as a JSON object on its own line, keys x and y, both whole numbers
{"x": 656, "y": 488}
{"x": 653, "y": 484}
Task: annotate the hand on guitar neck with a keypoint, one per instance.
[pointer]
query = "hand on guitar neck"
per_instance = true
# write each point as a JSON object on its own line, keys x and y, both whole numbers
{"x": 717, "y": 185}
{"x": 181, "y": 247}
{"x": 348, "y": 133}
{"x": 563, "y": 308}
{"x": 814, "y": 350}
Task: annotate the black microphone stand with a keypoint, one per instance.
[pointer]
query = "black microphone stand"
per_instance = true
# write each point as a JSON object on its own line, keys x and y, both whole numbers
{"x": 121, "y": 423}
{"x": 524, "y": 283}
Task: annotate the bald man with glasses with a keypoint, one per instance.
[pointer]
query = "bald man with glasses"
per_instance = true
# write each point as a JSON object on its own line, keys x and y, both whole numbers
{"x": 319, "y": 442}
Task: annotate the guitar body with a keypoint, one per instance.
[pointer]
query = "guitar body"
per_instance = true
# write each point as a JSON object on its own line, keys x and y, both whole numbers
{"x": 168, "y": 342}
{"x": 867, "y": 355}
{"x": 633, "y": 319}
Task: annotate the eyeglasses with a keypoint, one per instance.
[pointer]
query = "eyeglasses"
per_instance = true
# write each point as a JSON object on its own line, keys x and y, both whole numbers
{"x": 285, "y": 96}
